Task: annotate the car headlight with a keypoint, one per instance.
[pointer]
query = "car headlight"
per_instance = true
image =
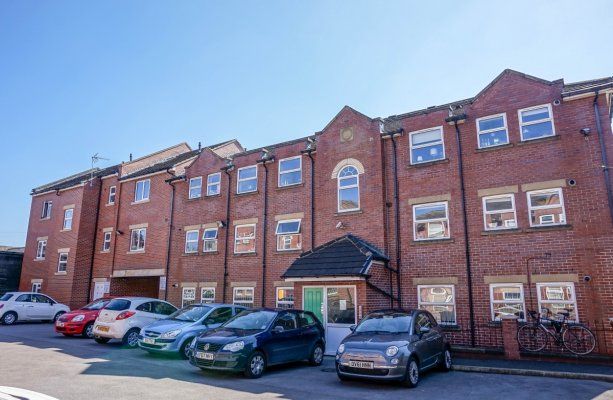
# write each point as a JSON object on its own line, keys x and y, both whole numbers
{"x": 391, "y": 351}
{"x": 78, "y": 318}
{"x": 234, "y": 346}
{"x": 192, "y": 345}
{"x": 170, "y": 334}
{"x": 341, "y": 348}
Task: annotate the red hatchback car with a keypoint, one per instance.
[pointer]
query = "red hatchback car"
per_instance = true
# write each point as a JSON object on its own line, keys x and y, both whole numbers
{"x": 81, "y": 322}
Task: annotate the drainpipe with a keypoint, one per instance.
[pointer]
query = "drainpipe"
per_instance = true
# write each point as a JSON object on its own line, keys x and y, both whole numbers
{"x": 266, "y": 158}
{"x": 603, "y": 156}
{"x": 91, "y": 268}
{"x": 309, "y": 154}
{"x": 455, "y": 119}
{"x": 117, "y": 231}
{"x": 169, "y": 241}
{"x": 226, "y": 170}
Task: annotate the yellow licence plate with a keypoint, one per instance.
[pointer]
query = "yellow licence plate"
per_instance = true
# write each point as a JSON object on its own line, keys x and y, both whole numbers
{"x": 103, "y": 328}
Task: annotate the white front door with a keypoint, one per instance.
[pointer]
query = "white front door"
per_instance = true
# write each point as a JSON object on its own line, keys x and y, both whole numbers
{"x": 98, "y": 290}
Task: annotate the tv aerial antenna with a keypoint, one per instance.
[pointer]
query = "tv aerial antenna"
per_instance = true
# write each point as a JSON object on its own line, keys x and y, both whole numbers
{"x": 95, "y": 158}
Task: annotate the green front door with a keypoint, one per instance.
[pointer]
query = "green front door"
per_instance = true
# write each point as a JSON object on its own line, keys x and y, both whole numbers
{"x": 313, "y": 301}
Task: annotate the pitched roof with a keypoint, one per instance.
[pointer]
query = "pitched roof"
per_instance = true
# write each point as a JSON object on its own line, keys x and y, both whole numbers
{"x": 76, "y": 179}
{"x": 348, "y": 255}
{"x": 575, "y": 88}
{"x": 162, "y": 165}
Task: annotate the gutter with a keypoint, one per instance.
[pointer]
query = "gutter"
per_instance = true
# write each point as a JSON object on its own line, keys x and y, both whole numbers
{"x": 603, "y": 156}
{"x": 226, "y": 170}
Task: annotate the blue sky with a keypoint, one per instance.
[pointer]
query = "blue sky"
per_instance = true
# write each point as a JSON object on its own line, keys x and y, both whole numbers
{"x": 120, "y": 77}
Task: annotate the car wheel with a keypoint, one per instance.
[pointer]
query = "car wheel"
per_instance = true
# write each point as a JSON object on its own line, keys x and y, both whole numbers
{"x": 256, "y": 364}
{"x": 411, "y": 378}
{"x": 9, "y": 318}
{"x": 317, "y": 355}
{"x": 446, "y": 361}
{"x": 184, "y": 351}
{"x": 130, "y": 339}
{"x": 102, "y": 340}
{"x": 58, "y": 315}
{"x": 88, "y": 331}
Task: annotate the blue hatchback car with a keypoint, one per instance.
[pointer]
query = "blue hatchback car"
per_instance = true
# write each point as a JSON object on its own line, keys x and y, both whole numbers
{"x": 175, "y": 333}
{"x": 256, "y": 339}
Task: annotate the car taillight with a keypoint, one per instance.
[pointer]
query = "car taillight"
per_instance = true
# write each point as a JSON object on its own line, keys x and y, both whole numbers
{"x": 125, "y": 315}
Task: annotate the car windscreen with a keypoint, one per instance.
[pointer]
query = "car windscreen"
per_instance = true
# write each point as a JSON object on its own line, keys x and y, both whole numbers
{"x": 385, "y": 323}
{"x": 96, "y": 305}
{"x": 6, "y": 297}
{"x": 251, "y": 320}
{"x": 191, "y": 313}
{"x": 118, "y": 305}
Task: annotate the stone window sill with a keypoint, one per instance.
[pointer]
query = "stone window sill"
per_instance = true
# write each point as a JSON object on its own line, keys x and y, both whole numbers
{"x": 431, "y": 241}
{"x": 39, "y": 259}
{"x": 136, "y": 252}
{"x": 539, "y": 140}
{"x": 105, "y": 251}
{"x": 60, "y": 273}
{"x": 140, "y": 202}
{"x": 194, "y": 198}
{"x": 501, "y": 231}
{"x": 428, "y": 163}
{"x": 352, "y": 212}
{"x": 549, "y": 228}
{"x": 493, "y": 148}
{"x": 293, "y": 186}
{"x": 255, "y": 192}
{"x": 254, "y": 254}
{"x": 211, "y": 196}
{"x": 293, "y": 251}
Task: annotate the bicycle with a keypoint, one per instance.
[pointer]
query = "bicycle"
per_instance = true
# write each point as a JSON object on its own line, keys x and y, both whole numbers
{"x": 575, "y": 337}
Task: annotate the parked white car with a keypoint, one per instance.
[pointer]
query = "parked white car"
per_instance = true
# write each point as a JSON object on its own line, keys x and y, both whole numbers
{"x": 124, "y": 317}
{"x": 29, "y": 306}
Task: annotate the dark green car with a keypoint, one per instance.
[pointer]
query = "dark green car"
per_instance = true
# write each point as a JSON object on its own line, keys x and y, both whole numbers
{"x": 256, "y": 339}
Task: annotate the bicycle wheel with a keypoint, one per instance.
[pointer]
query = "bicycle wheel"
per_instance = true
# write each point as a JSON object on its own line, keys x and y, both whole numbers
{"x": 579, "y": 340}
{"x": 532, "y": 338}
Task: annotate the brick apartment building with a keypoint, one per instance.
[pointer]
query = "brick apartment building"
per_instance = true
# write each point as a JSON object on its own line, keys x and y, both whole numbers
{"x": 483, "y": 207}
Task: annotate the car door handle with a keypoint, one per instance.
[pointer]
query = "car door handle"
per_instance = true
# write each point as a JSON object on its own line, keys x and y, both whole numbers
{"x": 30, "y": 306}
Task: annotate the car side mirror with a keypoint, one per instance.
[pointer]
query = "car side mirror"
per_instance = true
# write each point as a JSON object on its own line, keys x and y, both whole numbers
{"x": 278, "y": 329}
{"x": 423, "y": 329}
{"x": 352, "y": 328}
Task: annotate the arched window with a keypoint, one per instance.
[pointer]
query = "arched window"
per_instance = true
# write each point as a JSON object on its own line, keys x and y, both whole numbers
{"x": 348, "y": 189}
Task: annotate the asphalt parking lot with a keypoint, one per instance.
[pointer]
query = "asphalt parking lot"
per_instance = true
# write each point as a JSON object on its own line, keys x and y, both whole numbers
{"x": 33, "y": 357}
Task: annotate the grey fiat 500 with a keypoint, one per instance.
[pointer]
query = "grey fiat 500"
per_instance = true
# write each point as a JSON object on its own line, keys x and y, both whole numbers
{"x": 393, "y": 345}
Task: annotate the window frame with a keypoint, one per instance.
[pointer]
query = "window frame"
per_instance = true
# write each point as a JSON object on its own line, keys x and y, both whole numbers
{"x": 239, "y": 180}
{"x": 493, "y": 302}
{"x": 138, "y": 250}
{"x": 209, "y": 185}
{"x": 71, "y": 212}
{"x": 522, "y": 124}
{"x": 190, "y": 187}
{"x": 486, "y": 213}
{"x": 428, "y": 303}
{"x": 280, "y": 173}
{"x": 279, "y": 235}
{"x": 573, "y": 292}
{"x": 339, "y": 188}
{"x": 187, "y": 241}
{"x": 206, "y": 240}
{"x": 281, "y": 303}
{"x": 561, "y": 205}
{"x": 41, "y": 250}
{"x": 143, "y": 182}
{"x": 46, "y": 211}
{"x": 61, "y": 262}
{"x": 36, "y": 287}
{"x": 237, "y": 239}
{"x": 207, "y": 288}
{"x": 243, "y": 303}
{"x": 112, "y": 194}
{"x": 105, "y": 242}
{"x": 480, "y": 132}
{"x": 183, "y": 298}
{"x": 411, "y": 146}
{"x": 446, "y": 204}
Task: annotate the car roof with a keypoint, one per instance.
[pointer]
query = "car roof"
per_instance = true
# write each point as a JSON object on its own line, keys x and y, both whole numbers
{"x": 394, "y": 311}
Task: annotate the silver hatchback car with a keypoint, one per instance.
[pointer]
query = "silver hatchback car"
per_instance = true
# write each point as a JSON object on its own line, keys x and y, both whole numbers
{"x": 393, "y": 345}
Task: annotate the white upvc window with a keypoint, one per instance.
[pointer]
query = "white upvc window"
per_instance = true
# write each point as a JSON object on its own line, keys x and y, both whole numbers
{"x": 427, "y": 145}
{"x": 213, "y": 184}
{"x": 499, "y": 212}
{"x": 41, "y": 248}
{"x": 492, "y": 131}
{"x": 188, "y": 296}
{"x": 244, "y": 238}
{"x": 141, "y": 190}
{"x": 106, "y": 242}
{"x": 36, "y": 286}
{"x": 68, "y": 213}
{"x": 439, "y": 300}
{"x": 285, "y": 297}
{"x": 556, "y": 297}
{"x": 288, "y": 235}
{"x": 348, "y": 182}
{"x": 546, "y": 207}
{"x": 536, "y": 122}
{"x": 62, "y": 263}
{"x": 195, "y": 187}
{"x": 247, "y": 179}
{"x": 191, "y": 241}
{"x": 112, "y": 194}
{"x": 207, "y": 295}
{"x": 430, "y": 221}
{"x": 507, "y": 299}
{"x": 243, "y": 296}
{"x": 137, "y": 239}
{"x": 290, "y": 171}
{"x": 46, "y": 213}
{"x": 209, "y": 238}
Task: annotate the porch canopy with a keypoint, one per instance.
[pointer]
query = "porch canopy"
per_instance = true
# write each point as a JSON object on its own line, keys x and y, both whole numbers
{"x": 346, "y": 256}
